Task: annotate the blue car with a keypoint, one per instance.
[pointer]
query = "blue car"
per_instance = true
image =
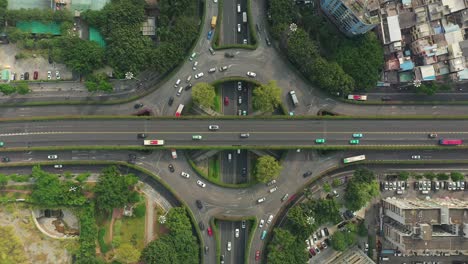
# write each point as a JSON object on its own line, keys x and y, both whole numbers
{"x": 210, "y": 34}
{"x": 264, "y": 233}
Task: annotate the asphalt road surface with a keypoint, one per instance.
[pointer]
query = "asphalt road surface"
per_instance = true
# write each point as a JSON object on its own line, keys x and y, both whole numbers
{"x": 262, "y": 132}
{"x": 238, "y": 245}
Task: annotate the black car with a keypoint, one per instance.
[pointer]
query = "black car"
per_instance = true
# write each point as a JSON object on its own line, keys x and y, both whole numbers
{"x": 307, "y": 174}
{"x": 132, "y": 158}
{"x": 244, "y": 171}
{"x": 229, "y": 54}
{"x": 139, "y": 105}
{"x": 326, "y": 232}
{"x": 188, "y": 87}
{"x": 199, "y": 204}
{"x": 171, "y": 168}
{"x": 141, "y": 135}
{"x": 201, "y": 225}
{"x": 26, "y": 75}
{"x": 171, "y": 100}
{"x": 5, "y": 159}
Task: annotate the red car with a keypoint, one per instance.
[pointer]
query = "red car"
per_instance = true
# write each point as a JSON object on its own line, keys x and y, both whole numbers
{"x": 210, "y": 231}
{"x": 226, "y": 100}
{"x": 312, "y": 251}
{"x": 257, "y": 255}
{"x": 36, "y": 74}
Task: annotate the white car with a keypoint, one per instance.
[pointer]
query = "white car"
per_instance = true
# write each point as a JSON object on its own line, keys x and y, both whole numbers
{"x": 237, "y": 232}
{"x": 49, "y": 75}
{"x": 245, "y": 41}
{"x": 415, "y": 157}
{"x": 270, "y": 218}
{"x": 195, "y": 64}
{"x": 52, "y": 157}
{"x": 57, "y": 75}
{"x": 261, "y": 223}
{"x": 251, "y": 74}
{"x": 239, "y": 86}
{"x": 201, "y": 184}
{"x": 271, "y": 182}
{"x": 185, "y": 175}
{"x": 229, "y": 246}
{"x": 274, "y": 189}
{"x": 58, "y": 166}
{"x": 238, "y": 28}
{"x": 261, "y": 200}
{"x": 224, "y": 68}
{"x": 198, "y": 76}
{"x": 213, "y": 127}
{"x": 212, "y": 70}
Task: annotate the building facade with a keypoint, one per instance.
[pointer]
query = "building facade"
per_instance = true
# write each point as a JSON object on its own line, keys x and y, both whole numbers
{"x": 352, "y": 17}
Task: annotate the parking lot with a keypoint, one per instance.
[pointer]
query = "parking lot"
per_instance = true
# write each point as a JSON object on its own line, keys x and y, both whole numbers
{"x": 233, "y": 233}
{"x": 236, "y": 98}
{"x": 420, "y": 189}
{"x": 235, "y": 166}
{"x": 232, "y": 21}
{"x": 31, "y": 64}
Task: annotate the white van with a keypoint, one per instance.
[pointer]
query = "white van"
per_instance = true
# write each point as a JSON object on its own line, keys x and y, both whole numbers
{"x": 229, "y": 156}
{"x": 238, "y": 28}
{"x": 180, "y": 91}
{"x": 238, "y": 8}
{"x": 294, "y": 98}
{"x": 177, "y": 83}
{"x": 188, "y": 78}
{"x": 322, "y": 233}
{"x": 238, "y": 151}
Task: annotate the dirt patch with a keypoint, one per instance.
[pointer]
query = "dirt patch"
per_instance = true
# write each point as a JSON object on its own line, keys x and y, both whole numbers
{"x": 37, "y": 247}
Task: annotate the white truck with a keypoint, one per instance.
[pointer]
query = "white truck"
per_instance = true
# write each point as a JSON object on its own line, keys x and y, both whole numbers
{"x": 244, "y": 17}
{"x": 294, "y": 98}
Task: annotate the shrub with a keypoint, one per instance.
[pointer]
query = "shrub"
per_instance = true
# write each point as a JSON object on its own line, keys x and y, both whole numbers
{"x": 139, "y": 210}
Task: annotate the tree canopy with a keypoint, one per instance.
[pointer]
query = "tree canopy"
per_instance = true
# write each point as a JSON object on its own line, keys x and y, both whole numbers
{"x": 266, "y": 97}
{"x": 203, "y": 94}
{"x": 126, "y": 253}
{"x": 80, "y": 55}
{"x": 114, "y": 190}
{"x": 179, "y": 246}
{"x": 267, "y": 169}
{"x": 285, "y": 248}
{"x": 361, "y": 189}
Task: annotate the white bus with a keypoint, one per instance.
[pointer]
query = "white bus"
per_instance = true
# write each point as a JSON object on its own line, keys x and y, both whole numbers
{"x": 153, "y": 142}
{"x": 179, "y": 110}
{"x": 354, "y": 159}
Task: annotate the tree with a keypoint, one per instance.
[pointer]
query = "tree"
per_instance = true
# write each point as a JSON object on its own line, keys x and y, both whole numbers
{"x": 326, "y": 187}
{"x": 285, "y": 248}
{"x": 11, "y": 248}
{"x": 22, "y": 88}
{"x": 113, "y": 190}
{"x": 403, "y": 175}
{"x": 338, "y": 241}
{"x": 336, "y": 182}
{"x": 362, "y": 229}
{"x": 429, "y": 88}
{"x": 98, "y": 82}
{"x": 267, "y": 169}
{"x": 3, "y": 180}
{"x": 266, "y": 97}
{"x": 300, "y": 221}
{"x": 127, "y": 253}
{"x": 361, "y": 189}
{"x": 80, "y": 55}
{"x": 204, "y": 94}
{"x": 442, "y": 176}
{"x": 429, "y": 175}
{"x": 47, "y": 189}
{"x": 457, "y": 176}
{"x": 7, "y": 89}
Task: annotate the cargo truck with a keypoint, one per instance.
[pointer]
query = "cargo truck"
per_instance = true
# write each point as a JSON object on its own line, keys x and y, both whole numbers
{"x": 213, "y": 22}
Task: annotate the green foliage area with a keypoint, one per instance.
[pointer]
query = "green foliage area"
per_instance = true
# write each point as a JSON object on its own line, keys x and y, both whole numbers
{"x": 114, "y": 190}
{"x": 3, "y": 8}
{"x": 127, "y": 253}
{"x": 442, "y": 176}
{"x": 286, "y": 248}
{"x": 21, "y": 88}
{"x": 326, "y": 187}
{"x": 88, "y": 231}
{"x": 266, "y": 97}
{"x": 203, "y": 94}
{"x": 267, "y": 169}
{"x": 430, "y": 175}
{"x": 341, "y": 240}
{"x": 98, "y": 82}
{"x": 102, "y": 244}
{"x": 336, "y": 182}
{"x": 361, "y": 58}
{"x": 403, "y": 175}
{"x": 323, "y": 54}
{"x": 128, "y": 50}
{"x": 3, "y": 180}
{"x": 79, "y": 55}
{"x": 362, "y": 229}
{"x": 50, "y": 191}
{"x": 140, "y": 210}
{"x": 179, "y": 246}
{"x": 11, "y": 248}
{"x": 83, "y": 176}
{"x": 457, "y": 176}
{"x": 361, "y": 189}
{"x": 430, "y": 88}
{"x": 306, "y": 217}
{"x": 42, "y": 15}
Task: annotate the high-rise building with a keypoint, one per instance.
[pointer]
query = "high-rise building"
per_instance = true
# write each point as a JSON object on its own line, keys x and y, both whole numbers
{"x": 352, "y": 17}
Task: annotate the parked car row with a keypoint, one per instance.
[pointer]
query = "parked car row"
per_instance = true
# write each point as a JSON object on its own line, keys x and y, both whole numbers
{"x": 426, "y": 186}
{"x": 25, "y": 76}
{"x": 314, "y": 245}
{"x": 393, "y": 185}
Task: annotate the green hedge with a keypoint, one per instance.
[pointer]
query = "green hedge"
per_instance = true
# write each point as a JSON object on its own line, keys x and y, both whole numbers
{"x": 215, "y": 41}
